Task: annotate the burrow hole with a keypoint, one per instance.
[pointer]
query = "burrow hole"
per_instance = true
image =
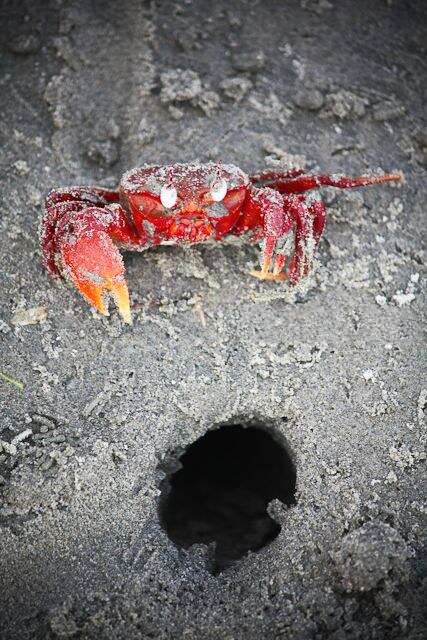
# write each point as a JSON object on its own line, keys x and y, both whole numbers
{"x": 221, "y": 492}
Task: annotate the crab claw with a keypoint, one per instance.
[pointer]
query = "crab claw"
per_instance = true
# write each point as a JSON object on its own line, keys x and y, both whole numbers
{"x": 96, "y": 268}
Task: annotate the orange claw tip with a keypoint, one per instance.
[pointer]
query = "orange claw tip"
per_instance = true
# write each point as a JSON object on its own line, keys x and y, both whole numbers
{"x": 268, "y": 275}
{"x": 120, "y": 294}
{"x": 94, "y": 294}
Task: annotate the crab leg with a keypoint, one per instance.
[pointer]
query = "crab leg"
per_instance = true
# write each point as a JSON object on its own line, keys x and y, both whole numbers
{"x": 309, "y": 225}
{"x": 297, "y": 183}
{"x": 267, "y": 256}
{"x": 275, "y": 176}
{"x": 280, "y": 215}
{"x": 276, "y": 224}
{"x": 318, "y": 211}
{"x": 309, "y": 220}
{"x": 305, "y": 241}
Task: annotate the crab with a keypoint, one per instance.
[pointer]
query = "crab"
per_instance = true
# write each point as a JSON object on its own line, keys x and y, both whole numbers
{"x": 183, "y": 204}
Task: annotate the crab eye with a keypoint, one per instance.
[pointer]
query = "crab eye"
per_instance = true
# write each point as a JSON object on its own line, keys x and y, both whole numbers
{"x": 168, "y": 197}
{"x": 218, "y": 190}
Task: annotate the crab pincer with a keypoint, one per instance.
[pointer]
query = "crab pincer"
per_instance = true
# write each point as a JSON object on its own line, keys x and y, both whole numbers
{"x": 82, "y": 248}
{"x": 96, "y": 268}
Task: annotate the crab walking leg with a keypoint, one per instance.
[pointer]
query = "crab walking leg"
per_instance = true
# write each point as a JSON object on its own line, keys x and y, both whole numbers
{"x": 267, "y": 256}
{"x": 302, "y": 183}
{"x": 318, "y": 212}
{"x": 310, "y": 222}
{"x": 309, "y": 229}
{"x": 84, "y": 240}
{"x": 276, "y": 224}
{"x": 279, "y": 263}
{"x": 274, "y": 176}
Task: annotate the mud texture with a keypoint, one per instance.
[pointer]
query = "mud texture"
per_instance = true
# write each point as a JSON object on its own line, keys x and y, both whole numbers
{"x": 94, "y": 415}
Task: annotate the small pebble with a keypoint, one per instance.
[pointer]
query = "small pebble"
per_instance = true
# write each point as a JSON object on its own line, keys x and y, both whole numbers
{"x": 188, "y": 40}
{"x": 401, "y": 299}
{"x": 103, "y": 153}
{"x": 66, "y": 24}
{"x": 381, "y": 300}
{"x": 46, "y": 465}
{"x": 235, "y": 88}
{"x": 57, "y": 439}
{"x": 34, "y": 196}
{"x": 118, "y": 456}
{"x": 317, "y": 6}
{"x": 345, "y": 105}
{"x": 66, "y": 51}
{"x": 369, "y": 556}
{"x": 252, "y": 62}
{"x": 368, "y": 374}
{"x": 25, "y": 44}
{"x": 207, "y": 101}
{"x": 21, "y": 167}
{"x": 146, "y": 132}
{"x": 420, "y": 154}
{"x": 308, "y": 99}
{"x": 21, "y": 436}
{"x": 49, "y": 423}
{"x": 179, "y": 85}
{"x": 10, "y": 448}
{"x": 387, "y": 111}
{"x": 391, "y": 478}
{"x": 175, "y": 113}
{"x": 39, "y": 436}
{"x": 107, "y": 130}
{"x": 23, "y": 317}
{"x": 421, "y": 137}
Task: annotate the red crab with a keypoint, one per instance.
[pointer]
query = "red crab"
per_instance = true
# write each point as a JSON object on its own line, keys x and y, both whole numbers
{"x": 182, "y": 204}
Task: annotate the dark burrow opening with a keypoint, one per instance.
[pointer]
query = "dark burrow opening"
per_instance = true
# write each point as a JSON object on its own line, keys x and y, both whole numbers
{"x": 222, "y": 491}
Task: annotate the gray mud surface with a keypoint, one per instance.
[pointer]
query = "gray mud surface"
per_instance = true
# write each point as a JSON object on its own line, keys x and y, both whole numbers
{"x": 95, "y": 414}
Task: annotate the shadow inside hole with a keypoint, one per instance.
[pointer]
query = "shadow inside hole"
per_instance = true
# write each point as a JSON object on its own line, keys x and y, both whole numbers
{"x": 222, "y": 491}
